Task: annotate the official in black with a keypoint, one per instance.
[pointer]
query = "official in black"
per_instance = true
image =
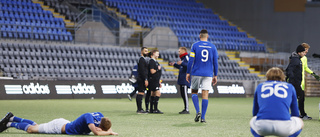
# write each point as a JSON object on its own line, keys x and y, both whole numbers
{"x": 294, "y": 76}
{"x": 154, "y": 82}
{"x": 142, "y": 79}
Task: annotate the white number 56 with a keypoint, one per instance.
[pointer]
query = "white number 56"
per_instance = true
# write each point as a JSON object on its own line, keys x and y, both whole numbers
{"x": 275, "y": 90}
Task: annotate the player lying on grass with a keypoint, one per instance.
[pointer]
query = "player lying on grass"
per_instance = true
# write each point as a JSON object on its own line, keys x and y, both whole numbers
{"x": 83, "y": 125}
{"x": 271, "y": 104}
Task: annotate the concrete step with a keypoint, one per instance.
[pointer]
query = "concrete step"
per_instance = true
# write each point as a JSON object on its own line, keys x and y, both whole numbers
{"x": 244, "y": 65}
{"x": 234, "y": 58}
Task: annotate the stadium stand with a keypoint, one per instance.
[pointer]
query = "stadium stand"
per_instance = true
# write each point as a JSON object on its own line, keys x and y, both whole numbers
{"x": 63, "y": 8}
{"x": 228, "y": 69}
{"x": 312, "y": 85}
{"x": 27, "y": 20}
{"x": 186, "y": 18}
{"x": 46, "y": 61}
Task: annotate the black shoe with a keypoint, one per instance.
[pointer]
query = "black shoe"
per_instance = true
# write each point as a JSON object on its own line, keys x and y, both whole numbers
{"x": 203, "y": 121}
{"x": 306, "y": 117}
{"x": 4, "y": 121}
{"x": 129, "y": 97}
{"x": 151, "y": 111}
{"x": 147, "y": 110}
{"x": 3, "y": 128}
{"x": 198, "y": 115}
{"x": 184, "y": 112}
{"x": 141, "y": 112}
{"x": 157, "y": 112}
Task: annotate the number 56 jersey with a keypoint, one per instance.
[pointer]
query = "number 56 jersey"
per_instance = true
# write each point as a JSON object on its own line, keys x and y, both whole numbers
{"x": 203, "y": 59}
{"x": 272, "y": 100}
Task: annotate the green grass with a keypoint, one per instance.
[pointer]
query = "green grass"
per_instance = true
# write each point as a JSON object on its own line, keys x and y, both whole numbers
{"x": 226, "y": 117}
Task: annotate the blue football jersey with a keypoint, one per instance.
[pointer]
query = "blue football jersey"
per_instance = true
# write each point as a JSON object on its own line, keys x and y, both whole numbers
{"x": 273, "y": 99}
{"x": 203, "y": 59}
{"x": 80, "y": 125}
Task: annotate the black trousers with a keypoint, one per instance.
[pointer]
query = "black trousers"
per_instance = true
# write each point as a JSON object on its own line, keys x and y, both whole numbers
{"x": 184, "y": 96}
{"x": 301, "y": 98}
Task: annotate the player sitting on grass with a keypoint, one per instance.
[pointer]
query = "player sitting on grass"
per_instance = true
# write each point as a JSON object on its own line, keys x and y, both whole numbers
{"x": 83, "y": 125}
{"x": 271, "y": 104}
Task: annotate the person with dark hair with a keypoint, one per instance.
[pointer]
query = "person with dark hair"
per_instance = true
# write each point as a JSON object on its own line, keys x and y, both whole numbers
{"x": 271, "y": 104}
{"x": 294, "y": 76}
{"x": 142, "y": 79}
{"x": 203, "y": 66}
{"x": 184, "y": 85}
{"x": 89, "y": 122}
{"x": 154, "y": 82}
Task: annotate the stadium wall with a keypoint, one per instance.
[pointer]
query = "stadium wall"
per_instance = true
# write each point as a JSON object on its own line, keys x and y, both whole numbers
{"x": 74, "y": 89}
{"x": 259, "y": 18}
{"x": 95, "y": 32}
{"x": 162, "y": 38}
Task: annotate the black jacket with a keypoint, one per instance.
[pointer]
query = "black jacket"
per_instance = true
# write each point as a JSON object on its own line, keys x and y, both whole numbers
{"x": 142, "y": 69}
{"x": 294, "y": 70}
{"x": 183, "y": 71}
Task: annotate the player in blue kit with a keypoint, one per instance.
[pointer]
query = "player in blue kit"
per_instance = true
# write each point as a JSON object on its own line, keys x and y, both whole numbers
{"x": 271, "y": 104}
{"x": 89, "y": 122}
{"x": 203, "y": 66}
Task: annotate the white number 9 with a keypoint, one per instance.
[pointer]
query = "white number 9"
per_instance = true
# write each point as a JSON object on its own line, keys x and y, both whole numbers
{"x": 205, "y": 55}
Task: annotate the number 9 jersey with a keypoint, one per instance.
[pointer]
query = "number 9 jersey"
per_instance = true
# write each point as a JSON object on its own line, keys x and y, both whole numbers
{"x": 272, "y": 100}
{"x": 203, "y": 59}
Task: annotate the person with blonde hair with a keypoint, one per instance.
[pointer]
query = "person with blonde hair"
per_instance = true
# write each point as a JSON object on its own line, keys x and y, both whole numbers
{"x": 88, "y": 122}
{"x": 271, "y": 104}
{"x": 184, "y": 84}
{"x": 305, "y": 67}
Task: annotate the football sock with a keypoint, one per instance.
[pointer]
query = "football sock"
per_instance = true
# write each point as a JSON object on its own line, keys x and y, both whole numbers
{"x": 151, "y": 103}
{"x": 156, "y": 100}
{"x": 139, "y": 101}
{"x": 147, "y": 99}
{"x": 204, "y": 108}
{"x": 21, "y": 126}
{"x": 195, "y": 101}
{"x": 21, "y": 120}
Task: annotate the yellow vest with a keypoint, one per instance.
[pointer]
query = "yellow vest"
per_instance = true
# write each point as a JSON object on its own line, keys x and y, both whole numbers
{"x": 305, "y": 67}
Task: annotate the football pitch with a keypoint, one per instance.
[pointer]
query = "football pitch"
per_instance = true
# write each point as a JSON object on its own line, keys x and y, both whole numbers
{"x": 226, "y": 117}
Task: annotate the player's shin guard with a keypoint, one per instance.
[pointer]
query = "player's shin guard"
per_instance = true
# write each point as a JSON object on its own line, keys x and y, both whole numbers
{"x": 147, "y": 99}
{"x": 21, "y": 126}
{"x": 21, "y": 120}
{"x": 156, "y": 100}
{"x": 139, "y": 101}
{"x": 204, "y": 108}
{"x": 195, "y": 101}
{"x": 151, "y": 103}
